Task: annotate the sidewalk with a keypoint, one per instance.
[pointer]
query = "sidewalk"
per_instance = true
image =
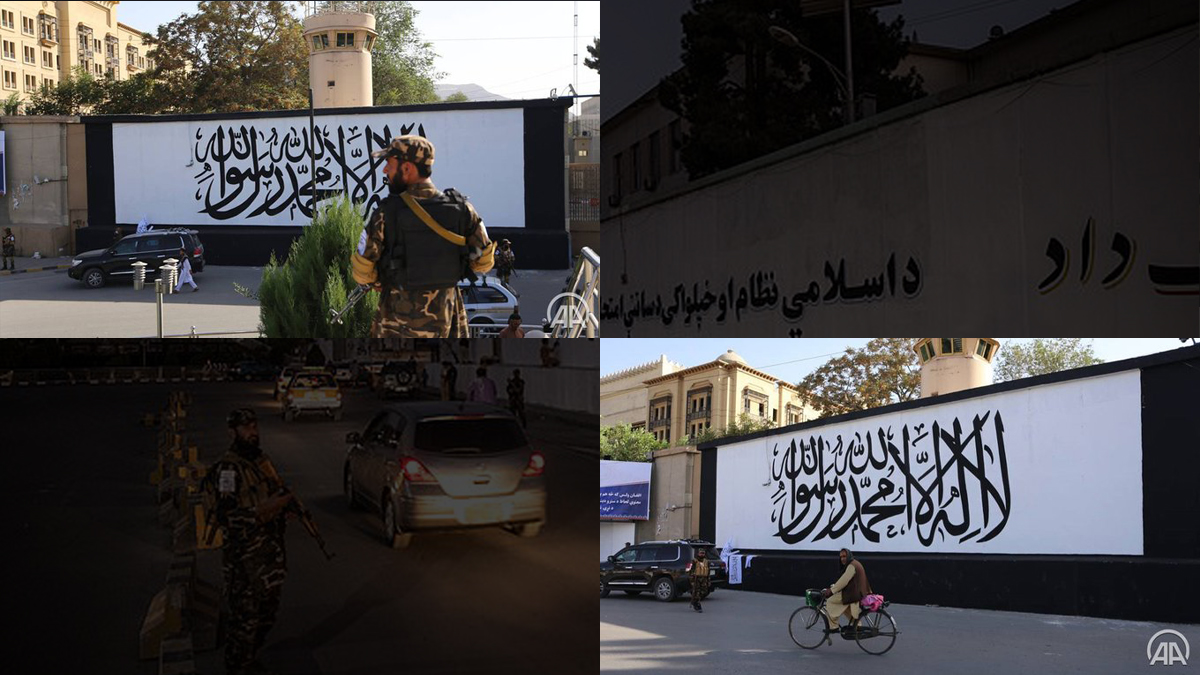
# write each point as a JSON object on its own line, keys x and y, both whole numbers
{"x": 27, "y": 264}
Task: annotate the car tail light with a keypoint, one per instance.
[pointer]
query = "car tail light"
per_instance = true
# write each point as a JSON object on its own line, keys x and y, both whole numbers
{"x": 415, "y": 471}
{"x": 537, "y": 464}
{"x": 689, "y": 567}
{"x": 196, "y": 251}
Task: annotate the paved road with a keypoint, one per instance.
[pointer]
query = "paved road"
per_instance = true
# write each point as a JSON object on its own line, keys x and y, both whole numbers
{"x": 744, "y": 632}
{"x": 51, "y": 304}
{"x": 90, "y": 554}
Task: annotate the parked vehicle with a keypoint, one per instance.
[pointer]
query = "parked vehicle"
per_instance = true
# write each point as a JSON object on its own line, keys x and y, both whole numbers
{"x": 488, "y": 302}
{"x": 96, "y": 268}
{"x": 661, "y": 567}
{"x": 445, "y": 466}
{"x": 397, "y": 378}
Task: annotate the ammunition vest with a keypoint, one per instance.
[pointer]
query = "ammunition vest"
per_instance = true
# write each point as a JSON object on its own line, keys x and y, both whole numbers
{"x": 415, "y": 257}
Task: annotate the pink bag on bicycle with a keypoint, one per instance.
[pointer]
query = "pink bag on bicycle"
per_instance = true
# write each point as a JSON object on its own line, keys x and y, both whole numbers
{"x": 872, "y": 602}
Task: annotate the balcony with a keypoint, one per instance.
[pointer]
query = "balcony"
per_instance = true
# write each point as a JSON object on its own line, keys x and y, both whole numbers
{"x": 699, "y": 414}
{"x": 659, "y": 424}
{"x": 131, "y": 66}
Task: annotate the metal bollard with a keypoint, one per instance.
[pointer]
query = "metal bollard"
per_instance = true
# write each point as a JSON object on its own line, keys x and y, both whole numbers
{"x": 139, "y": 276}
{"x": 167, "y": 274}
{"x": 158, "y": 291}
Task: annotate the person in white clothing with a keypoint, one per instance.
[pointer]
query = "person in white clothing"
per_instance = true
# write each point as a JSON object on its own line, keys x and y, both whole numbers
{"x": 185, "y": 272}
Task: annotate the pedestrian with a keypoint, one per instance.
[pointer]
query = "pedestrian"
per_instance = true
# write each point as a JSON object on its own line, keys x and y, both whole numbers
{"x": 449, "y": 381}
{"x": 698, "y": 579}
{"x": 9, "y": 249}
{"x": 513, "y": 329}
{"x": 444, "y": 240}
{"x": 549, "y": 354}
{"x": 516, "y": 396}
{"x": 845, "y": 594}
{"x": 505, "y": 258}
{"x": 483, "y": 389}
{"x": 185, "y": 272}
{"x": 249, "y": 508}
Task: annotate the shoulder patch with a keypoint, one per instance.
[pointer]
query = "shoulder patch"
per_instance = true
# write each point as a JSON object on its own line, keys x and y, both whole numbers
{"x": 227, "y": 481}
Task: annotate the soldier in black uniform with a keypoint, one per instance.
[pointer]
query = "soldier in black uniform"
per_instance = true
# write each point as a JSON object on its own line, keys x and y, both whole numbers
{"x": 516, "y": 396}
{"x": 249, "y": 507}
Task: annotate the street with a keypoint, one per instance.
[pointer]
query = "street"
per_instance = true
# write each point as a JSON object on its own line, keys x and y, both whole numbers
{"x": 51, "y": 304}
{"x": 747, "y": 632}
{"x": 91, "y": 554}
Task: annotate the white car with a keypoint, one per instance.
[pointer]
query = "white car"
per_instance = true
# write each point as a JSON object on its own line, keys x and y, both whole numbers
{"x": 488, "y": 302}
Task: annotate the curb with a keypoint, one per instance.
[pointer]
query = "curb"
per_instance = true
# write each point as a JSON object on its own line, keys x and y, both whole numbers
{"x": 5, "y": 273}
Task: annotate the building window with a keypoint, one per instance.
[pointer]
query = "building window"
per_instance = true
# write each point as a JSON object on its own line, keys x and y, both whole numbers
{"x": 583, "y": 153}
{"x": 85, "y": 53}
{"x": 655, "y": 168}
{"x": 345, "y": 39}
{"x": 926, "y": 350}
{"x": 676, "y": 141}
{"x": 49, "y": 27}
{"x": 984, "y": 349}
{"x": 7, "y": 19}
{"x": 775, "y": 415}
{"x": 47, "y": 59}
{"x": 951, "y": 345}
{"x": 10, "y": 79}
{"x": 617, "y": 175}
{"x": 10, "y": 50}
{"x": 29, "y": 54}
{"x": 31, "y": 83}
{"x": 321, "y": 41}
{"x": 47, "y": 82}
{"x": 58, "y": 62}
{"x": 368, "y": 42}
{"x": 27, "y": 25}
{"x": 637, "y": 170}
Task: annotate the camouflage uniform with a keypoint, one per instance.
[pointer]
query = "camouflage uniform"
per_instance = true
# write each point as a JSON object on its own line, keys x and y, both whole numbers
{"x": 423, "y": 314}
{"x": 254, "y": 556}
{"x": 699, "y": 581}
{"x": 516, "y": 397}
{"x": 9, "y": 249}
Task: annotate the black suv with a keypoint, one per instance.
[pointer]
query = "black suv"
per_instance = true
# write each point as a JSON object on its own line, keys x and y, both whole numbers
{"x": 95, "y": 268}
{"x": 658, "y": 566}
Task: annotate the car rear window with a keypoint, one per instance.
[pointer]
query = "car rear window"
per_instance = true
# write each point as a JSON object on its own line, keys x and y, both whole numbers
{"x": 469, "y": 435}
{"x": 489, "y": 295}
{"x": 314, "y": 380}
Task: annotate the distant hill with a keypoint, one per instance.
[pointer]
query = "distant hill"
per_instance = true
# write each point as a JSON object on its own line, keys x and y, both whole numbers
{"x": 473, "y": 92}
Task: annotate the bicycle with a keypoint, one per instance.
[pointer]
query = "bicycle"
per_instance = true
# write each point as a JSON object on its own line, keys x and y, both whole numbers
{"x": 875, "y": 633}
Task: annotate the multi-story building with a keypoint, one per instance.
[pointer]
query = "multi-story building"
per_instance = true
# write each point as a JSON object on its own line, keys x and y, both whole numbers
{"x": 673, "y": 403}
{"x": 43, "y": 42}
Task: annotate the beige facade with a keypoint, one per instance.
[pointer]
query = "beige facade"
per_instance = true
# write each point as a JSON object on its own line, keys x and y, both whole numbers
{"x": 42, "y": 42}
{"x": 339, "y": 58}
{"x": 41, "y": 206}
{"x": 955, "y": 364}
{"x": 689, "y": 402}
{"x": 623, "y": 395}
{"x": 674, "y": 496}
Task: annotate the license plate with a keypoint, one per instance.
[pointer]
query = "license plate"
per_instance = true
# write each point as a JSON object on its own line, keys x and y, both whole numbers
{"x": 481, "y": 513}
{"x": 712, "y": 573}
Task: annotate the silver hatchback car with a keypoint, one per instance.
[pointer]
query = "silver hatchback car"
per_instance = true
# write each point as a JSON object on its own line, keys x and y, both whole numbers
{"x": 443, "y": 466}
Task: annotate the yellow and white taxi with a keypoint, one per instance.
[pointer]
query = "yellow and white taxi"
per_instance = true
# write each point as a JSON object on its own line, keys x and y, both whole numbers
{"x": 312, "y": 391}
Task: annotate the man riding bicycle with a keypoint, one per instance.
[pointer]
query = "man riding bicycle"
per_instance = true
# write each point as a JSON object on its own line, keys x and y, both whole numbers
{"x": 845, "y": 594}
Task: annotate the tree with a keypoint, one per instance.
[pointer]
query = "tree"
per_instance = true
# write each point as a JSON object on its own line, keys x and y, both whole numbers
{"x": 745, "y": 94}
{"x": 456, "y": 97}
{"x": 884, "y": 371}
{"x": 232, "y": 56}
{"x": 1042, "y": 355}
{"x": 623, "y": 443}
{"x": 594, "y": 61}
{"x": 745, "y": 424}
{"x": 76, "y": 94}
{"x": 12, "y": 104}
{"x": 296, "y": 295}
{"x": 402, "y": 70}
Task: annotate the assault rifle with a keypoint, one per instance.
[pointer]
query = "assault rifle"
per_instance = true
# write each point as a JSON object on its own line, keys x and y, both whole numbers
{"x": 337, "y": 315}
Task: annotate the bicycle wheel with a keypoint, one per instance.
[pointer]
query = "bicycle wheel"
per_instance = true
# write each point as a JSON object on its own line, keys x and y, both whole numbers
{"x": 876, "y": 632}
{"x": 807, "y": 627}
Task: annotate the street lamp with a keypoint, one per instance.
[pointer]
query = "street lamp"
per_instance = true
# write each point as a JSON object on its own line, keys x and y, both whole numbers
{"x": 844, "y": 80}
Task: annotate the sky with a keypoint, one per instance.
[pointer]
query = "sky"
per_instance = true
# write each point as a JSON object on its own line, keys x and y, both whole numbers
{"x": 790, "y": 360}
{"x": 514, "y": 49}
{"x": 650, "y": 34}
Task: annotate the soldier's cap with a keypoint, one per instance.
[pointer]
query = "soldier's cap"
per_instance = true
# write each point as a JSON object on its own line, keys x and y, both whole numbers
{"x": 415, "y": 149}
{"x": 241, "y": 416}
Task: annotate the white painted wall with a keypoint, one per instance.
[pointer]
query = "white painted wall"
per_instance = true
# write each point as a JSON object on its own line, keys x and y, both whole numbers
{"x": 1074, "y": 465}
{"x": 613, "y": 537}
{"x": 168, "y": 172}
{"x": 973, "y": 192}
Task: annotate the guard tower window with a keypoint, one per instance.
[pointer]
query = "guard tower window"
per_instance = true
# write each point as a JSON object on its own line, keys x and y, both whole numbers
{"x": 926, "y": 350}
{"x": 345, "y": 39}
{"x": 951, "y": 345}
{"x": 321, "y": 41}
{"x": 984, "y": 349}
{"x": 368, "y": 42}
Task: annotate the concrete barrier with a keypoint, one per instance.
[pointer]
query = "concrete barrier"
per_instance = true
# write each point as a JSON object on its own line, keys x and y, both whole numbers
{"x": 176, "y": 656}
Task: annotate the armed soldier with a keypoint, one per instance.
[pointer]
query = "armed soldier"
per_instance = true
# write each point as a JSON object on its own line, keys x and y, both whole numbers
{"x": 249, "y": 506}
{"x": 417, "y": 245}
